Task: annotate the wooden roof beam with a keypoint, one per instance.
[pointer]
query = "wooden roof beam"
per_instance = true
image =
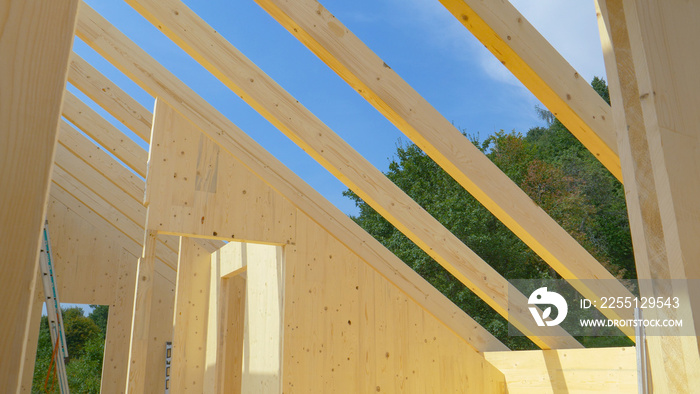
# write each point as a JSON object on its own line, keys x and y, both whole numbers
{"x": 535, "y": 62}
{"x": 155, "y": 79}
{"x": 98, "y": 159}
{"x": 362, "y": 69}
{"x": 110, "y": 97}
{"x": 106, "y": 134}
{"x": 185, "y": 28}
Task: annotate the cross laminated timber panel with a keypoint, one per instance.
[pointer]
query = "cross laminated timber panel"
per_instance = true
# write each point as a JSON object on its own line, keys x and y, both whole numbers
{"x": 35, "y": 41}
{"x": 342, "y": 319}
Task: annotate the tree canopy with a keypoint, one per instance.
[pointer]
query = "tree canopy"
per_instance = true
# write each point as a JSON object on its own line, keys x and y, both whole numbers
{"x": 555, "y": 170}
{"x": 85, "y": 337}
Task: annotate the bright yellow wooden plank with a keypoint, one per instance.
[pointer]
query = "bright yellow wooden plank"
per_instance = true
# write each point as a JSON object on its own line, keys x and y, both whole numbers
{"x": 35, "y": 42}
{"x": 329, "y": 39}
{"x": 110, "y": 96}
{"x": 531, "y": 59}
{"x": 152, "y": 77}
{"x": 281, "y": 109}
{"x": 111, "y": 138}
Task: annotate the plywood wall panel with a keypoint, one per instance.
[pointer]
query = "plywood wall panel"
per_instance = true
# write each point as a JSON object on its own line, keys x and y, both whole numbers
{"x": 192, "y": 187}
{"x": 359, "y": 333}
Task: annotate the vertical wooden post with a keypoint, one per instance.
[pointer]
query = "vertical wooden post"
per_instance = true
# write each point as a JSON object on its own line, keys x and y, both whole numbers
{"x": 35, "y": 42}
{"x": 190, "y": 318}
{"x": 141, "y": 318}
{"x": 649, "y": 50}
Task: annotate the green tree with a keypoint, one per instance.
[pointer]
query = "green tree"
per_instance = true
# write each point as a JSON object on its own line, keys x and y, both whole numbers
{"x": 85, "y": 342}
{"x": 554, "y": 169}
{"x": 99, "y": 315}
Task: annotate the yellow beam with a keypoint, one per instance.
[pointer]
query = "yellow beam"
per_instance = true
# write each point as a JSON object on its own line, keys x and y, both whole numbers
{"x": 152, "y": 77}
{"x": 531, "y": 59}
{"x": 329, "y": 39}
{"x": 35, "y": 42}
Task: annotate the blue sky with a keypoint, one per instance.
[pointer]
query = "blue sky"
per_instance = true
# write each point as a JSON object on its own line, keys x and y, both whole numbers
{"x": 419, "y": 39}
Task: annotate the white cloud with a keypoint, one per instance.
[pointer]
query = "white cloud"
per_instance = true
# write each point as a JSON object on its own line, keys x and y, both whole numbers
{"x": 571, "y": 27}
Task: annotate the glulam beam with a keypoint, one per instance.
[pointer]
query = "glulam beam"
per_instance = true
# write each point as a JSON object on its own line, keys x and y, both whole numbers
{"x": 534, "y": 61}
{"x": 655, "y": 98}
{"x": 154, "y": 78}
{"x": 370, "y": 76}
{"x": 110, "y": 97}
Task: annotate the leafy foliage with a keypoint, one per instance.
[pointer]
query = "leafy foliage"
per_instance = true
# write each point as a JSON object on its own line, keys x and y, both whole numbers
{"x": 85, "y": 337}
{"x": 555, "y": 170}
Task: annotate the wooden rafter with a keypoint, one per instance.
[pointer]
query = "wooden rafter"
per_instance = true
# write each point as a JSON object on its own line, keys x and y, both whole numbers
{"x": 106, "y": 134}
{"x": 315, "y": 27}
{"x": 478, "y": 173}
{"x": 110, "y": 97}
{"x": 152, "y": 77}
{"x": 531, "y": 59}
{"x": 98, "y": 159}
{"x": 297, "y": 122}
{"x": 104, "y": 209}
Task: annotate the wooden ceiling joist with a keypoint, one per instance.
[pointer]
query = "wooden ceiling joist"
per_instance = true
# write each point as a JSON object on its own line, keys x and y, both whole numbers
{"x": 106, "y": 134}
{"x": 155, "y": 79}
{"x": 110, "y": 97}
{"x": 420, "y": 122}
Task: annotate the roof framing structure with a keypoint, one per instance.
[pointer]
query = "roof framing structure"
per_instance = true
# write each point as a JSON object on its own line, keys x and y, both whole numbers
{"x": 271, "y": 248}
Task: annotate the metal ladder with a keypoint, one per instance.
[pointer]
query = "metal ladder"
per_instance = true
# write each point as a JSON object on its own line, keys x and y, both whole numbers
{"x": 53, "y": 309}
